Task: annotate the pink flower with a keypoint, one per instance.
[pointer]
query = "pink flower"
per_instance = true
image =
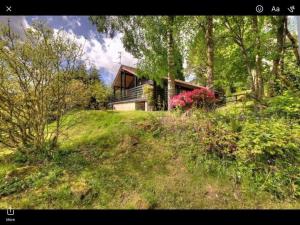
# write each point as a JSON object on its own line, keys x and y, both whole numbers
{"x": 187, "y": 99}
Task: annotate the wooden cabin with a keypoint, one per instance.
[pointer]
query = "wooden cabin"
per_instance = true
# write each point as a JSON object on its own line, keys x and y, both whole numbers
{"x": 131, "y": 92}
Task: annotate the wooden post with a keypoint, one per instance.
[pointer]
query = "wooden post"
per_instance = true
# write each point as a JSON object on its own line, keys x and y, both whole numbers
{"x": 155, "y": 95}
{"x": 124, "y": 84}
{"x": 121, "y": 84}
{"x": 114, "y": 92}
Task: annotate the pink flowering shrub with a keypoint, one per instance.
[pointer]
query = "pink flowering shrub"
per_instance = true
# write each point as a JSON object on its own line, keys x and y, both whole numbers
{"x": 198, "y": 97}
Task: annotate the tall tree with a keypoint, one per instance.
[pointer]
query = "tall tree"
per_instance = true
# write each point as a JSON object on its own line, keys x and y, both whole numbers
{"x": 246, "y": 33}
{"x": 293, "y": 41}
{"x": 257, "y": 72}
{"x": 278, "y": 23}
{"x": 209, "y": 50}
{"x": 151, "y": 40}
{"x": 171, "y": 66}
{"x": 198, "y": 40}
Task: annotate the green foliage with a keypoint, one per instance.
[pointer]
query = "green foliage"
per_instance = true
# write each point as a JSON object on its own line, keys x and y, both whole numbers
{"x": 80, "y": 96}
{"x": 111, "y": 159}
{"x": 145, "y": 37}
{"x": 18, "y": 184}
{"x": 259, "y": 153}
{"x": 286, "y": 105}
{"x": 88, "y": 88}
{"x": 152, "y": 160}
{"x": 34, "y": 84}
{"x": 237, "y": 40}
{"x": 267, "y": 141}
{"x": 148, "y": 93}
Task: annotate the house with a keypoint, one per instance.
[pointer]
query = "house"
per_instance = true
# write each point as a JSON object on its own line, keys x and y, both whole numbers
{"x": 131, "y": 92}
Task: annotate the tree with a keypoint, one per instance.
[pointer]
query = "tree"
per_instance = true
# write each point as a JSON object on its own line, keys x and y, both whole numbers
{"x": 82, "y": 74}
{"x": 293, "y": 41}
{"x": 246, "y": 33}
{"x": 209, "y": 50}
{"x": 278, "y": 23}
{"x": 257, "y": 72}
{"x": 171, "y": 66}
{"x": 88, "y": 89}
{"x": 34, "y": 85}
{"x": 151, "y": 40}
{"x": 284, "y": 55}
{"x": 98, "y": 92}
{"x": 94, "y": 76}
{"x": 231, "y": 52}
{"x": 198, "y": 39}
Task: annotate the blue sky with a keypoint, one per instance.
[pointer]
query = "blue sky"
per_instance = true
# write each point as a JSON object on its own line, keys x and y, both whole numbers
{"x": 98, "y": 49}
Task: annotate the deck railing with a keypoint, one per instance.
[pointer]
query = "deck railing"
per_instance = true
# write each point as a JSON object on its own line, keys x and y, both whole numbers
{"x": 128, "y": 94}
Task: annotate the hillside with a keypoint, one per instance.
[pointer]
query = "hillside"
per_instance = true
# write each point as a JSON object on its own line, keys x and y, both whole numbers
{"x": 112, "y": 159}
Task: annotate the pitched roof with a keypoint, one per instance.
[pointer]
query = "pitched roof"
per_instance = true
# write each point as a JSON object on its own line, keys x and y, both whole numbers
{"x": 186, "y": 83}
{"x": 133, "y": 71}
{"x": 124, "y": 68}
{"x": 129, "y": 69}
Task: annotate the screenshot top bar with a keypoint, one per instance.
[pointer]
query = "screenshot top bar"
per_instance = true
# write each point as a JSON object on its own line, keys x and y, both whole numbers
{"x": 149, "y": 7}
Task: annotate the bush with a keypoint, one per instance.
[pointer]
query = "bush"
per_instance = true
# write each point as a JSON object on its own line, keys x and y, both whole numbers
{"x": 148, "y": 94}
{"x": 287, "y": 105}
{"x": 269, "y": 149}
{"x": 201, "y": 97}
{"x": 219, "y": 140}
{"x": 263, "y": 154}
{"x": 268, "y": 140}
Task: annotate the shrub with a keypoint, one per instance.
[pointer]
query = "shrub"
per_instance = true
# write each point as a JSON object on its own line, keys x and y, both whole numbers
{"x": 219, "y": 140}
{"x": 148, "y": 94}
{"x": 287, "y": 105}
{"x": 269, "y": 140}
{"x": 201, "y": 97}
{"x": 34, "y": 85}
{"x": 262, "y": 154}
{"x": 224, "y": 143}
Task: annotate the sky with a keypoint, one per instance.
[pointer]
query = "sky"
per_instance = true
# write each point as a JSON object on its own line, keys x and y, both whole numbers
{"x": 98, "y": 49}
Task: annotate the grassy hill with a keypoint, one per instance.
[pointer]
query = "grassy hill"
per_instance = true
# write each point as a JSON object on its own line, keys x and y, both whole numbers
{"x": 124, "y": 160}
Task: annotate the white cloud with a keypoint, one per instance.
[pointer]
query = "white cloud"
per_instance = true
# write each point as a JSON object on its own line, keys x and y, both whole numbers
{"x": 103, "y": 56}
{"x": 92, "y": 34}
{"x": 72, "y": 21}
{"x": 78, "y": 23}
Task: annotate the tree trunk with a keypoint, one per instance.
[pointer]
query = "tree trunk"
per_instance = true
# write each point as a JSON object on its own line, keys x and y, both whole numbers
{"x": 209, "y": 50}
{"x": 253, "y": 64}
{"x": 257, "y": 75}
{"x": 171, "y": 65}
{"x": 293, "y": 42}
{"x": 298, "y": 32}
{"x": 277, "y": 61}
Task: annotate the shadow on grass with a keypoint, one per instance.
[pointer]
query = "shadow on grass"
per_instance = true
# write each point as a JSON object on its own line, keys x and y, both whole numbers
{"x": 87, "y": 171}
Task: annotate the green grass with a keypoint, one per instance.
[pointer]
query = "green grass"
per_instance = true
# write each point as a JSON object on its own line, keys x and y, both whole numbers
{"x": 112, "y": 159}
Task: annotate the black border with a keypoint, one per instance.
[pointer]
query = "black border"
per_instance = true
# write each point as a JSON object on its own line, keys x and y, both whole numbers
{"x": 146, "y": 7}
{"x": 154, "y": 217}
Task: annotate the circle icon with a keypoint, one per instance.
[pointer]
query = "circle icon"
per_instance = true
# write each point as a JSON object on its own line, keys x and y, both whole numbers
{"x": 259, "y": 8}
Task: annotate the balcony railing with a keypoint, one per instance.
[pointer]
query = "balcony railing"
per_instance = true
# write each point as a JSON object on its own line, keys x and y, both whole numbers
{"x": 129, "y": 94}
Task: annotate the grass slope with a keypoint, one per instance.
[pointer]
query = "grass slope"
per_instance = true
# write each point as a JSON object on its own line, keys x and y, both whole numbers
{"x": 116, "y": 160}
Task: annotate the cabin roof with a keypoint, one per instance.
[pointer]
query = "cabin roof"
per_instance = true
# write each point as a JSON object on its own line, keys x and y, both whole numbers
{"x": 127, "y": 69}
{"x": 132, "y": 71}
